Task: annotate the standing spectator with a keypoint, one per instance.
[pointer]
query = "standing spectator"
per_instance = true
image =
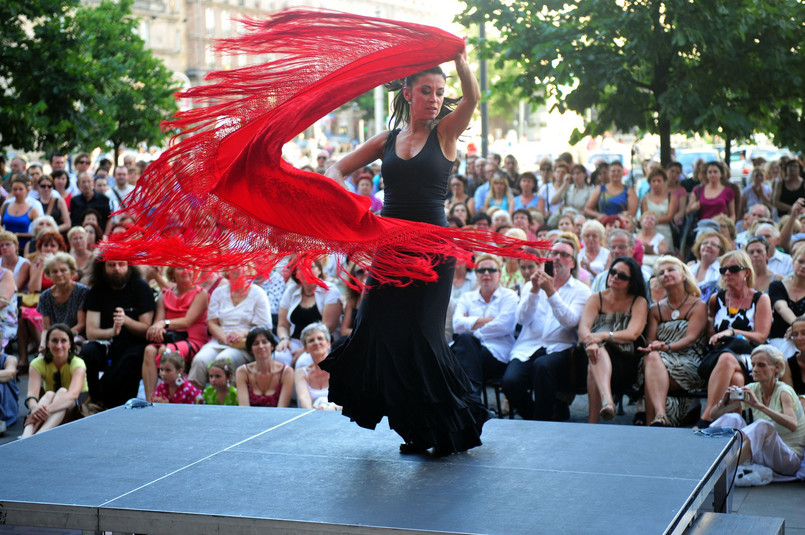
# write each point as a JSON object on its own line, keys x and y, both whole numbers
{"x": 757, "y": 192}
{"x": 61, "y": 183}
{"x": 484, "y": 322}
{"x": 574, "y": 193}
{"x": 713, "y": 197}
{"x": 789, "y": 189}
{"x": 58, "y": 162}
{"x": 120, "y": 308}
{"x": 481, "y": 183}
{"x": 663, "y": 203}
{"x": 612, "y": 198}
{"x": 528, "y": 197}
{"x": 18, "y": 214}
{"x": 512, "y": 170}
{"x": 364, "y": 187}
{"x": 88, "y": 199}
{"x": 120, "y": 189}
{"x": 53, "y": 205}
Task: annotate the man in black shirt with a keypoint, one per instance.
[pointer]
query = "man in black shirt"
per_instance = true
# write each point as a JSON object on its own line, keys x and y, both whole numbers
{"x": 120, "y": 308}
{"x": 89, "y": 198}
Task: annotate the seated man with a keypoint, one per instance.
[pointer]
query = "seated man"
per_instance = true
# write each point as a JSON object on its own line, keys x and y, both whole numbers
{"x": 549, "y": 311}
{"x": 620, "y": 242}
{"x": 484, "y": 323}
{"x": 120, "y": 308}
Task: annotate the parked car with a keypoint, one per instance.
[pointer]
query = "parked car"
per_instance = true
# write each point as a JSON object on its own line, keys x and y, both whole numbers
{"x": 688, "y": 157}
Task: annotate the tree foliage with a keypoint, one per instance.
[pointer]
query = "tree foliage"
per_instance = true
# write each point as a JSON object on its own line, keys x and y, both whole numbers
{"x": 659, "y": 66}
{"x": 78, "y": 77}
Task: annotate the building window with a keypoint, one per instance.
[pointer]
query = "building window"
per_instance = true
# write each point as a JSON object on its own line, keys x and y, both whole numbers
{"x": 209, "y": 21}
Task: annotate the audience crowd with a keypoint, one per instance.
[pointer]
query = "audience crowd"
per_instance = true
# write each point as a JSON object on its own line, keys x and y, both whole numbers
{"x": 686, "y": 294}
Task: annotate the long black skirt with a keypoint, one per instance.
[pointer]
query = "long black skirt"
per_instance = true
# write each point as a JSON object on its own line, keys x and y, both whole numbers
{"x": 397, "y": 364}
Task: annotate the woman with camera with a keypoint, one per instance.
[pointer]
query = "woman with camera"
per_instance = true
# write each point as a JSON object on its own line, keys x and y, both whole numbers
{"x": 740, "y": 319}
{"x": 775, "y": 438}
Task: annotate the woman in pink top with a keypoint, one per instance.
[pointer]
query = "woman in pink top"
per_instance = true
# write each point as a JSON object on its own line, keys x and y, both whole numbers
{"x": 714, "y": 197}
{"x": 180, "y": 324}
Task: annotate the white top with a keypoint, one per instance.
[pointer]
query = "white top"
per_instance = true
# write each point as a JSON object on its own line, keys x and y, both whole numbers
{"x": 547, "y": 191}
{"x": 497, "y": 335}
{"x": 711, "y": 274}
{"x": 293, "y": 296}
{"x": 114, "y": 201}
{"x": 781, "y": 263}
{"x": 549, "y": 322}
{"x": 251, "y": 312}
{"x": 599, "y": 263}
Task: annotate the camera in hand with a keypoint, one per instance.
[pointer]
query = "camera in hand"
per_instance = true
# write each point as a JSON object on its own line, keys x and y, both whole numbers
{"x": 737, "y": 394}
{"x": 549, "y": 267}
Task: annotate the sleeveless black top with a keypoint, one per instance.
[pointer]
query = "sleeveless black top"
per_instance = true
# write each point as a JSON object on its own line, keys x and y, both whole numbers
{"x": 796, "y": 375}
{"x": 416, "y": 188}
{"x": 788, "y": 196}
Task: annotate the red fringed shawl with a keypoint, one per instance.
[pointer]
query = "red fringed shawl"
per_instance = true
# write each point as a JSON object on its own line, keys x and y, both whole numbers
{"x": 222, "y": 196}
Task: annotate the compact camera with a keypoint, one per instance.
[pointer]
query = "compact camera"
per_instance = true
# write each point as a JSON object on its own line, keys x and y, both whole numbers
{"x": 737, "y": 393}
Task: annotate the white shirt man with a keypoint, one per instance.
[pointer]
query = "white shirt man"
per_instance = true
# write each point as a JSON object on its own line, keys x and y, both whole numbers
{"x": 779, "y": 262}
{"x": 549, "y": 311}
{"x": 121, "y": 188}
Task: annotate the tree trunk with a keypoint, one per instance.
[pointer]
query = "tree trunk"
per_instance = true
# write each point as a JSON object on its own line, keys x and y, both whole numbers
{"x": 116, "y": 145}
{"x": 727, "y": 151}
{"x": 664, "y": 126}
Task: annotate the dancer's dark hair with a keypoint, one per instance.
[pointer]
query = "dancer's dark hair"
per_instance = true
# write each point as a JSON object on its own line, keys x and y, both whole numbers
{"x": 399, "y": 107}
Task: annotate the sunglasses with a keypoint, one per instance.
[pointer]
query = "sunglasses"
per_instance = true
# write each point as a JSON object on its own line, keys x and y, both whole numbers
{"x": 46, "y": 186}
{"x": 732, "y": 269}
{"x": 483, "y": 271}
{"x": 622, "y": 276}
{"x": 82, "y": 161}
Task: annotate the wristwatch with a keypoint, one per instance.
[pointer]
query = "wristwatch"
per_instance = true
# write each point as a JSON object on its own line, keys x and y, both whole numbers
{"x": 167, "y": 324}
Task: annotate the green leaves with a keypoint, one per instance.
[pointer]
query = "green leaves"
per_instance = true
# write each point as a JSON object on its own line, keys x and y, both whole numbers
{"x": 80, "y": 78}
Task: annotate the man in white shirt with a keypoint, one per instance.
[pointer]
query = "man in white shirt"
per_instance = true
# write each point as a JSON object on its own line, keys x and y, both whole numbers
{"x": 117, "y": 193}
{"x": 542, "y": 357}
{"x": 779, "y": 262}
{"x": 620, "y": 243}
{"x": 484, "y": 322}
{"x": 756, "y": 212}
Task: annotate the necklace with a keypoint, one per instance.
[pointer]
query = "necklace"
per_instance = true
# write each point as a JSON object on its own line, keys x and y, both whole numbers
{"x": 731, "y": 309}
{"x": 675, "y": 311}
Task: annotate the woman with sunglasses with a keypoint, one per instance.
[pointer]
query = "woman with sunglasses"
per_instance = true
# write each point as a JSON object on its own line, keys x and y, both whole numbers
{"x": 54, "y": 206}
{"x": 676, "y": 336}
{"x": 612, "y": 321}
{"x": 788, "y": 303}
{"x": 739, "y": 319}
{"x": 62, "y": 375}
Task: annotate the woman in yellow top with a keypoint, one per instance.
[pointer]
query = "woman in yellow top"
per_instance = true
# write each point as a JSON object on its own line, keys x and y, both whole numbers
{"x": 63, "y": 377}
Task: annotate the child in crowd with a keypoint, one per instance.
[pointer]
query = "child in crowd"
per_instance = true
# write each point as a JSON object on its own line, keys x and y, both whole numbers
{"x": 220, "y": 391}
{"x": 173, "y": 388}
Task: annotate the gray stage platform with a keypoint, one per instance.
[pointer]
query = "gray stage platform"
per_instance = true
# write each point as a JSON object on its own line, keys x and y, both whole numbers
{"x": 176, "y": 469}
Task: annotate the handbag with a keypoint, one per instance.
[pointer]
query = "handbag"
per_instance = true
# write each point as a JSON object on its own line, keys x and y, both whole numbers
{"x": 728, "y": 344}
{"x": 171, "y": 337}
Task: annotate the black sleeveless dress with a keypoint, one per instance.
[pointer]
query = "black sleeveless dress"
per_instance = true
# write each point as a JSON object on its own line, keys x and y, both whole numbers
{"x": 396, "y": 362}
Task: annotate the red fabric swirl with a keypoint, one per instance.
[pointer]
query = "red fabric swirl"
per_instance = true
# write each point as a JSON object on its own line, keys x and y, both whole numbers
{"x": 222, "y": 196}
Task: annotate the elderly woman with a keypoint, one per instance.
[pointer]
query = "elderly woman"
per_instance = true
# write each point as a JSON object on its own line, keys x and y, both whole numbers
{"x": 739, "y": 319}
{"x": 312, "y": 383}
{"x": 777, "y": 435}
{"x": 458, "y": 189}
{"x": 62, "y": 375}
{"x": 611, "y": 323}
{"x": 234, "y": 309}
{"x": 676, "y": 341}
{"x": 19, "y": 266}
{"x": 64, "y": 301}
{"x": 40, "y": 225}
{"x": 78, "y": 238}
{"x": 594, "y": 257}
{"x": 708, "y": 247}
{"x": 264, "y": 382}
{"x": 303, "y": 303}
{"x": 788, "y": 303}
{"x": 180, "y": 324}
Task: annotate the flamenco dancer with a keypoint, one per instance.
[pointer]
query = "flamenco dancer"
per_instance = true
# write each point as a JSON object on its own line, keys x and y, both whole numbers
{"x": 396, "y": 362}
{"x": 222, "y": 196}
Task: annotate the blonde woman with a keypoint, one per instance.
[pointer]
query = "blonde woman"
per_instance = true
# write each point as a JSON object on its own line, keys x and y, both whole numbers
{"x": 499, "y": 195}
{"x": 708, "y": 247}
{"x": 676, "y": 342}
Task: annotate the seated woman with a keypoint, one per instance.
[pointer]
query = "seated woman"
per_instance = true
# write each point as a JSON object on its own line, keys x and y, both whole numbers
{"x": 460, "y": 211}
{"x": 234, "y": 309}
{"x": 79, "y": 249}
{"x": 30, "y": 325}
{"x": 708, "y": 247}
{"x": 64, "y": 301}
{"x": 499, "y": 195}
{"x": 303, "y": 303}
{"x": 173, "y": 388}
{"x": 611, "y": 323}
{"x": 18, "y": 265}
{"x": 777, "y": 435}
{"x": 759, "y": 250}
{"x": 458, "y": 189}
{"x": 795, "y": 366}
{"x": 264, "y": 382}
{"x": 312, "y": 383}
{"x": 676, "y": 331}
{"x": 594, "y": 257}
{"x": 787, "y": 303}
{"x": 654, "y": 243}
{"x": 41, "y": 224}
{"x": 18, "y": 214}
{"x": 739, "y": 319}
{"x": 180, "y": 324}
{"x": 9, "y": 392}
{"x": 63, "y": 376}
{"x": 8, "y": 311}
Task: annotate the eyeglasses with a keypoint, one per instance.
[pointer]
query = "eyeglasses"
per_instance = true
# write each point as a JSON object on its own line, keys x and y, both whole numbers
{"x": 321, "y": 157}
{"x": 712, "y": 244}
{"x": 46, "y": 186}
{"x": 483, "y": 271}
{"x": 732, "y": 269}
{"x": 622, "y": 276}
{"x": 561, "y": 254}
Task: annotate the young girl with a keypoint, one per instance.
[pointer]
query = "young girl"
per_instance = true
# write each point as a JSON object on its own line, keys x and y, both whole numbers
{"x": 173, "y": 388}
{"x": 221, "y": 391}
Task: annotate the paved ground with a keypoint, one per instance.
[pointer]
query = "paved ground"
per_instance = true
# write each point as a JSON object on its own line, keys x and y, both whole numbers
{"x": 784, "y": 500}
